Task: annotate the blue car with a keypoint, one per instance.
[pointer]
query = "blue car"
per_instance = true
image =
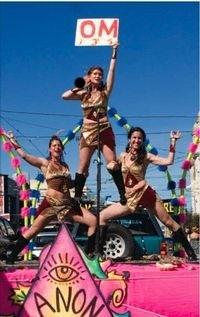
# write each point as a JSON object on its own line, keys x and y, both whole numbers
{"x": 130, "y": 236}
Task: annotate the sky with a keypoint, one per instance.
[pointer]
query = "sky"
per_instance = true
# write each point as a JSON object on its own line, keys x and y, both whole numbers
{"x": 156, "y": 85}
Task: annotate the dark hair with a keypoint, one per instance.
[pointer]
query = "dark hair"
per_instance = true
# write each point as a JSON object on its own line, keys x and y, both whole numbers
{"x": 142, "y": 150}
{"x": 56, "y": 138}
{"x": 91, "y": 69}
{"x": 137, "y": 129}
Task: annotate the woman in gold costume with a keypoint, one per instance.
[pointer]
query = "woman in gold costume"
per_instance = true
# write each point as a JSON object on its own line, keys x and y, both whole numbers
{"x": 58, "y": 203}
{"x": 94, "y": 94}
{"x": 134, "y": 163}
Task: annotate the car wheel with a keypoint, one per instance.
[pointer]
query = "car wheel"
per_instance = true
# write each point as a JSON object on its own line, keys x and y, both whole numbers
{"x": 118, "y": 243}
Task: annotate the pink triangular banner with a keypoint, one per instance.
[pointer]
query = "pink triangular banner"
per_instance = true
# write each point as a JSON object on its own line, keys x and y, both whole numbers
{"x": 63, "y": 285}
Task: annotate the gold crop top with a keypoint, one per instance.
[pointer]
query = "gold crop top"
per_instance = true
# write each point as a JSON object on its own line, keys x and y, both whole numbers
{"x": 92, "y": 101}
{"x": 58, "y": 177}
{"x": 135, "y": 169}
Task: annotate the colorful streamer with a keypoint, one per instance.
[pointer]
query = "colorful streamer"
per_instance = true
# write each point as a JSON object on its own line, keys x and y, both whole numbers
{"x": 21, "y": 181}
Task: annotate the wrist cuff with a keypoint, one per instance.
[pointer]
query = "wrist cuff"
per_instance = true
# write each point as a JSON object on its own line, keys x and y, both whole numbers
{"x": 114, "y": 54}
{"x": 172, "y": 148}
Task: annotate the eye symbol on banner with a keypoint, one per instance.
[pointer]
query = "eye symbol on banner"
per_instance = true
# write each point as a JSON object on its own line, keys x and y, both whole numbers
{"x": 63, "y": 273}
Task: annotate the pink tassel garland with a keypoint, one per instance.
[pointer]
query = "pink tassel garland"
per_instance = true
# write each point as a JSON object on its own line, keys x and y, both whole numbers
{"x": 24, "y": 212}
{"x": 21, "y": 179}
{"x": 25, "y": 250}
{"x": 197, "y": 132}
{"x": 15, "y": 162}
{"x": 192, "y": 148}
{"x": 7, "y": 146}
{"x": 186, "y": 165}
{"x": 24, "y": 195}
{"x": 182, "y": 183}
{"x": 182, "y": 201}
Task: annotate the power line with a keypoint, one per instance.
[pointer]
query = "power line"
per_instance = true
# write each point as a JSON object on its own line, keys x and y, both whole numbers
{"x": 24, "y": 137}
{"x": 42, "y": 113}
{"x": 117, "y": 134}
{"x": 74, "y": 115}
{"x": 25, "y": 122}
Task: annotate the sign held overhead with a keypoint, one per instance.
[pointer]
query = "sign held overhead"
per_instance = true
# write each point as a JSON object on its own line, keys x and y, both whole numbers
{"x": 96, "y": 32}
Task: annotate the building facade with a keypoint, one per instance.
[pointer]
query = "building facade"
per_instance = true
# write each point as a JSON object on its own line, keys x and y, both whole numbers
{"x": 195, "y": 175}
{"x": 9, "y": 199}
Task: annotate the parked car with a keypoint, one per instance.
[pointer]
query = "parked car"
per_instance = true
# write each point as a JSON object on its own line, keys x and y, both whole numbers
{"x": 7, "y": 235}
{"x": 131, "y": 236}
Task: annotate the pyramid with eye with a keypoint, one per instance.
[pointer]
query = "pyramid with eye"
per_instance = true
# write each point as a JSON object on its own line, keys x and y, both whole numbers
{"x": 63, "y": 285}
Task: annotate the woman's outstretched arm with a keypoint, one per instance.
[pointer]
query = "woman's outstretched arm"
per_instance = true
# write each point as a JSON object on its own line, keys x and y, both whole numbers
{"x": 72, "y": 94}
{"x": 158, "y": 160}
{"x": 111, "y": 71}
{"x": 31, "y": 159}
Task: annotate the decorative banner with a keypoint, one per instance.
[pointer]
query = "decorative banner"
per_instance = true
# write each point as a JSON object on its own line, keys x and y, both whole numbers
{"x": 96, "y": 32}
{"x": 59, "y": 288}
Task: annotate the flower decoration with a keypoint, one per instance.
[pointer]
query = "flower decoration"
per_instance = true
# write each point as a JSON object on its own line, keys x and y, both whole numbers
{"x": 181, "y": 201}
{"x": 7, "y": 146}
{"x": 192, "y": 147}
{"x": 25, "y": 250}
{"x": 186, "y": 165}
{"x": 24, "y": 194}
{"x": 197, "y": 132}
{"x": 21, "y": 179}
{"x": 182, "y": 183}
{"x": 24, "y": 212}
{"x": 15, "y": 162}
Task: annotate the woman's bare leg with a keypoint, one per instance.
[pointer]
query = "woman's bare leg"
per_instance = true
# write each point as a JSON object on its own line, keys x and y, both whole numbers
{"x": 39, "y": 223}
{"x": 164, "y": 217}
{"x": 86, "y": 218}
{"x": 113, "y": 211}
{"x": 85, "y": 155}
{"x": 109, "y": 154}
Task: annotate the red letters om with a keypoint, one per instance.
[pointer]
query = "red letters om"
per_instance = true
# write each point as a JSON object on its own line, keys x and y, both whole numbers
{"x": 91, "y": 30}
{"x": 103, "y": 28}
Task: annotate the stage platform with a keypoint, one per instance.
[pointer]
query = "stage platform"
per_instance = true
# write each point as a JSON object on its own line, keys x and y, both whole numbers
{"x": 150, "y": 292}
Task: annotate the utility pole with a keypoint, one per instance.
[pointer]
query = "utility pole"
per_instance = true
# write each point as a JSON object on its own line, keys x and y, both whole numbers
{"x": 195, "y": 174}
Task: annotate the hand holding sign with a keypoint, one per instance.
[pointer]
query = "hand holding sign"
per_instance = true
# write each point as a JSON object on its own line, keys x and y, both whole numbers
{"x": 96, "y": 32}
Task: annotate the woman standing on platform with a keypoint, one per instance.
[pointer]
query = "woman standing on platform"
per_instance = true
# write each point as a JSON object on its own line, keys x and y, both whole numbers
{"x": 93, "y": 94}
{"x": 57, "y": 203}
{"x": 134, "y": 163}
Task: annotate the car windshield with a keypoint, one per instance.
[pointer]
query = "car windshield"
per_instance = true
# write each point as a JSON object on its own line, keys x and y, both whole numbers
{"x": 138, "y": 223}
{"x": 41, "y": 241}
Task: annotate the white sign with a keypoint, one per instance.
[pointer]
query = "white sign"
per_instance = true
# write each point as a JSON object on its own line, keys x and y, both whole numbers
{"x": 93, "y": 32}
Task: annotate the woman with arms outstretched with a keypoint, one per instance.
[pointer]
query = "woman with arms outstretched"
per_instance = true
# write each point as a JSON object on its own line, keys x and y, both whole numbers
{"x": 134, "y": 163}
{"x": 58, "y": 203}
